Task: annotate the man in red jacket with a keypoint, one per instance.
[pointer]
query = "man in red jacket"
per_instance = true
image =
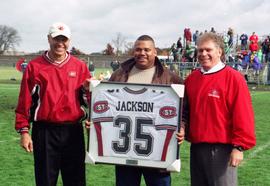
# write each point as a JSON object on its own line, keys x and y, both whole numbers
{"x": 253, "y": 47}
{"x": 254, "y": 38}
{"x": 218, "y": 116}
{"x": 51, "y": 98}
{"x": 187, "y": 35}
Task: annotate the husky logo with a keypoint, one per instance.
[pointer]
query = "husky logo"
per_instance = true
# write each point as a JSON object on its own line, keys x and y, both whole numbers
{"x": 167, "y": 112}
{"x": 101, "y": 106}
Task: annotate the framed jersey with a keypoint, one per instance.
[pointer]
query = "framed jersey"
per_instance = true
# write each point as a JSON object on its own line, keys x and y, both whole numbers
{"x": 135, "y": 124}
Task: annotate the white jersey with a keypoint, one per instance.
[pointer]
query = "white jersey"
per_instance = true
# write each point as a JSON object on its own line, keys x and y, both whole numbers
{"x": 135, "y": 124}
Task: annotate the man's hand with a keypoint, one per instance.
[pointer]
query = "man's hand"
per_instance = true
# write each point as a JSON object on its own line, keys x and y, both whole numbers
{"x": 26, "y": 142}
{"x": 236, "y": 158}
{"x": 180, "y": 136}
{"x": 88, "y": 124}
{"x": 86, "y": 84}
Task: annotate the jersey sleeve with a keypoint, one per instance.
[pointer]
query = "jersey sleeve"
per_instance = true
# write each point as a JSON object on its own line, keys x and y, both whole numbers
{"x": 167, "y": 110}
{"x": 101, "y": 110}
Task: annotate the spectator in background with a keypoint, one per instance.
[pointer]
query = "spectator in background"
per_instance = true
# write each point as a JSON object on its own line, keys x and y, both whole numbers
{"x": 115, "y": 65}
{"x": 253, "y": 46}
{"x": 189, "y": 53}
{"x": 225, "y": 38}
{"x": 53, "y": 91}
{"x": 244, "y": 38}
{"x": 187, "y": 35}
{"x": 24, "y": 65}
{"x": 255, "y": 63}
{"x": 230, "y": 34}
{"x": 212, "y": 30}
{"x": 260, "y": 55}
{"x": 174, "y": 52}
{"x": 265, "y": 49}
{"x": 21, "y": 65}
{"x": 195, "y": 37}
{"x": 179, "y": 47}
{"x": 91, "y": 68}
{"x": 254, "y": 38}
{"x": 179, "y": 44}
{"x": 267, "y": 55}
{"x": 101, "y": 76}
{"x": 218, "y": 116}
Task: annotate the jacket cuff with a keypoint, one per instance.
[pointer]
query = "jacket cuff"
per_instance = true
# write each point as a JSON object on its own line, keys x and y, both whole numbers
{"x": 23, "y": 130}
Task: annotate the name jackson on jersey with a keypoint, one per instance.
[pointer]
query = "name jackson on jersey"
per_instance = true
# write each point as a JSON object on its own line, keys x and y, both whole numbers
{"x": 136, "y": 106}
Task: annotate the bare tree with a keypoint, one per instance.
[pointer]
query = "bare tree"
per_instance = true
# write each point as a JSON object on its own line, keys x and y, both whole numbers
{"x": 129, "y": 48}
{"x": 109, "y": 50}
{"x": 9, "y": 38}
{"x": 118, "y": 43}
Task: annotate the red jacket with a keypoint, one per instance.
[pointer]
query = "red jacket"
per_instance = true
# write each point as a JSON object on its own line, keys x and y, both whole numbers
{"x": 220, "y": 108}
{"x": 51, "y": 92}
{"x": 187, "y": 34}
{"x": 253, "y": 47}
{"x": 254, "y": 38}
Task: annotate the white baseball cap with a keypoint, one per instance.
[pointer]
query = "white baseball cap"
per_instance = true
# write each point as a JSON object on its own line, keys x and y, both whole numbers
{"x": 58, "y": 29}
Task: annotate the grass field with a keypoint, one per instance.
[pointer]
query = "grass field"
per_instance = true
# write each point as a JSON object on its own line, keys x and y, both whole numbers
{"x": 16, "y": 166}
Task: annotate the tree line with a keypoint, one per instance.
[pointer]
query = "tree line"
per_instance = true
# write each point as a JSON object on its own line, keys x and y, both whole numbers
{"x": 10, "y": 38}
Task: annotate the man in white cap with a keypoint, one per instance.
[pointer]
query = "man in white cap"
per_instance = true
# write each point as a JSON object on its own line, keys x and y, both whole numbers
{"x": 53, "y": 91}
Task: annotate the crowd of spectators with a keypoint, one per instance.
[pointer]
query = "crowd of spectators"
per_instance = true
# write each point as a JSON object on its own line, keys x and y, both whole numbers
{"x": 184, "y": 50}
{"x": 243, "y": 52}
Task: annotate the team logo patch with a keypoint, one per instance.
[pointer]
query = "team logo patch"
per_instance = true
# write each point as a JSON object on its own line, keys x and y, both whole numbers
{"x": 167, "y": 112}
{"x": 72, "y": 74}
{"x": 100, "y": 106}
{"x": 214, "y": 93}
{"x": 60, "y": 28}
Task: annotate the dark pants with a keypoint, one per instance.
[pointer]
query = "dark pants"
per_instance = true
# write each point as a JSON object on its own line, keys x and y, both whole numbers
{"x": 131, "y": 176}
{"x": 59, "y": 148}
{"x": 209, "y": 165}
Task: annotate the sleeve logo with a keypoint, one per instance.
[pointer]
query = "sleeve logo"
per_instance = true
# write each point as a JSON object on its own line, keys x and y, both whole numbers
{"x": 167, "y": 112}
{"x": 100, "y": 107}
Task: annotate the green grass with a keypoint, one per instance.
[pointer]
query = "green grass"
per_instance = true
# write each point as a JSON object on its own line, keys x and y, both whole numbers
{"x": 9, "y": 73}
{"x": 255, "y": 170}
{"x": 16, "y": 166}
{"x": 11, "y": 76}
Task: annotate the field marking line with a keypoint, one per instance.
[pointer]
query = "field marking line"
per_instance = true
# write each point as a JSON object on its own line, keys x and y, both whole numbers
{"x": 254, "y": 153}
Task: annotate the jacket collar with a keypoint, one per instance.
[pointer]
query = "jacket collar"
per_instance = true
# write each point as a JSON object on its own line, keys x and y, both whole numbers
{"x": 214, "y": 69}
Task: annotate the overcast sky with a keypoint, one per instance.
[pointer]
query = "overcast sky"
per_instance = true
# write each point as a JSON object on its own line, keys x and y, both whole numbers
{"x": 94, "y": 23}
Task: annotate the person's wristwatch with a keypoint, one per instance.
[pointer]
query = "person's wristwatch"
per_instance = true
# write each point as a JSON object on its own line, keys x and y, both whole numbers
{"x": 241, "y": 149}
